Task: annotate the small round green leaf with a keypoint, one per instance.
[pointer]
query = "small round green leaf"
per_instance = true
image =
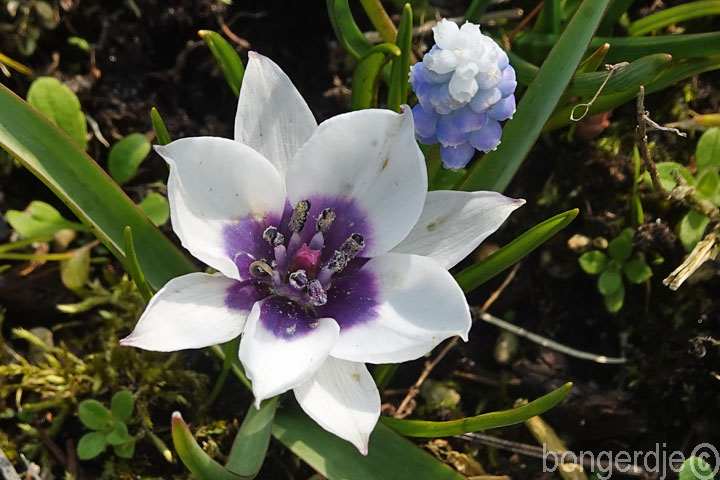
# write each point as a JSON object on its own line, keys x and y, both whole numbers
{"x": 125, "y": 450}
{"x": 637, "y": 271}
{"x": 93, "y": 414}
{"x": 695, "y": 468}
{"x": 614, "y": 301}
{"x": 609, "y": 282}
{"x": 593, "y": 262}
{"x": 127, "y": 155}
{"x": 75, "y": 271}
{"x": 156, "y": 208}
{"x": 91, "y": 445}
{"x": 709, "y": 184}
{"x": 620, "y": 247}
{"x": 37, "y": 219}
{"x": 61, "y": 106}
{"x": 667, "y": 178}
{"x": 118, "y": 435}
{"x": 122, "y": 405}
{"x": 692, "y": 228}
{"x": 707, "y": 152}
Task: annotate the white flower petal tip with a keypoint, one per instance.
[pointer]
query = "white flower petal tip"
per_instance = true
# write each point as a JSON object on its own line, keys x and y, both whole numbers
{"x": 343, "y": 399}
{"x": 453, "y": 224}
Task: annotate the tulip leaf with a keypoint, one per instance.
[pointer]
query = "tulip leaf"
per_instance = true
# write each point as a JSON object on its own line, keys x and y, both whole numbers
{"x": 194, "y": 458}
{"x": 86, "y": 189}
{"x": 39, "y": 219}
{"x": 495, "y": 170}
{"x": 156, "y": 207}
{"x": 346, "y": 30}
{"x": 252, "y": 440}
{"x": 126, "y": 156}
{"x": 615, "y": 10}
{"x": 60, "y": 105}
{"x": 673, "y": 15}
{"x": 474, "y": 275}
{"x": 486, "y": 421}
{"x": 132, "y": 266}
{"x": 398, "y": 88}
{"x": 337, "y": 459}
{"x": 707, "y": 151}
{"x": 367, "y": 75}
{"x": 161, "y": 131}
{"x": 226, "y": 57}
{"x": 91, "y": 445}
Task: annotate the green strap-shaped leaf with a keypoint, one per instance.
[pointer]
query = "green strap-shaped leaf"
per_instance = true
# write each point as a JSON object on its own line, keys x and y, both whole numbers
{"x": 398, "y": 88}
{"x": 593, "y": 62}
{"x": 479, "y": 273}
{"x": 346, "y": 30}
{"x": 549, "y": 19}
{"x": 476, "y": 10}
{"x": 227, "y": 58}
{"x": 615, "y": 10}
{"x": 391, "y": 457}
{"x": 161, "y": 132}
{"x": 367, "y": 75}
{"x": 503, "y": 418}
{"x": 252, "y": 440}
{"x": 133, "y": 267}
{"x": 86, "y": 189}
{"x": 495, "y": 170}
{"x": 194, "y": 458}
{"x": 673, "y": 15}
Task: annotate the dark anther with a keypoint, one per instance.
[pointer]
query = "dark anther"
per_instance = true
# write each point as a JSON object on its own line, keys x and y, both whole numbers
{"x": 260, "y": 269}
{"x": 298, "y": 279}
{"x": 299, "y": 216}
{"x": 325, "y": 220}
{"x": 273, "y": 236}
{"x": 348, "y": 250}
{"x": 317, "y": 294}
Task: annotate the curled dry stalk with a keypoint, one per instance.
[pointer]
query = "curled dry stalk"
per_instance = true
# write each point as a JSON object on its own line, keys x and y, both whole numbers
{"x": 709, "y": 247}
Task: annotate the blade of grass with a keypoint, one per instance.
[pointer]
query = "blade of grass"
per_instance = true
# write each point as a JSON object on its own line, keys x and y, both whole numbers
{"x": 346, "y": 30}
{"x": 615, "y": 10}
{"x": 398, "y": 88}
{"x": 131, "y": 263}
{"x": 495, "y": 170}
{"x": 673, "y": 15}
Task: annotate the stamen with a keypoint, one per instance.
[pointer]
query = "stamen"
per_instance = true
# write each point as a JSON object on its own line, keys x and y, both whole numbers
{"x": 298, "y": 279}
{"x": 348, "y": 250}
{"x": 325, "y": 220}
{"x": 299, "y": 216}
{"x": 260, "y": 269}
{"x": 317, "y": 294}
{"x": 273, "y": 236}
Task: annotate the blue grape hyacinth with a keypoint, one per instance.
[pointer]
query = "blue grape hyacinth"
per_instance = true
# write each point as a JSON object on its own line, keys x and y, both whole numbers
{"x": 465, "y": 86}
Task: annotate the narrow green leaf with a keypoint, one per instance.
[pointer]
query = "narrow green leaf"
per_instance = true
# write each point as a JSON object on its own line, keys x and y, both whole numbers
{"x": 91, "y": 445}
{"x": 615, "y": 10}
{"x": 122, "y": 405}
{"x": 594, "y": 61}
{"x": 86, "y": 189}
{"x": 549, "y": 19}
{"x": 476, "y": 10}
{"x": 126, "y": 156}
{"x": 61, "y": 106}
{"x": 118, "y": 435}
{"x": 495, "y": 170}
{"x": 614, "y": 301}
{"x": 380, "y": 19}
{"x": 161, "y": 131}
{"x": 346, "y": 30}
{"x": 695, "y": 468}
{"x": 486, "y": 421}
{"x": 367, "y": 75}
{"x": 226, "y": 57}
{"x": 383, "y": 374}
{"x": 39, "y": 219}
{"x": 476, "y": 274}
{"x": 691, "y": 229}
{"x": 156, "y": 207}
{"x": 673, "y": 15}
{"x": 609, "y": 282}
{"x": 252, "y": 440}
{"x": 707, "y": 152}
{"x": 93, "y": 414}
{"x": 637, "y": 271}
{"x": 133, "y": 267}
{"x": 75, "y": 271}
{"x": 391, "y": 456}
{"x": 593, "y": 262}
{"x": 398, "y": 88}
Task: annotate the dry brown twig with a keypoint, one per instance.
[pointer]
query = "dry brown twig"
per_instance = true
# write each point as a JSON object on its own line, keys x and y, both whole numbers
{"x": 709, "y": 247}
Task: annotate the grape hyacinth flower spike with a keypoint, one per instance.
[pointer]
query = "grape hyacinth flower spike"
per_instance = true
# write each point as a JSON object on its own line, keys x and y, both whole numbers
{"x": 465, "y": 87}
{"x": 331, "y": 252}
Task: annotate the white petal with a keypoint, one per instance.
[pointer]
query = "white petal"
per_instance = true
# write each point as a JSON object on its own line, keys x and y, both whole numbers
{"x": 278, "y": 351}
{"x": 188, "y": 312}
{"x": 445, "y": 32}
{"x": 462, "y": 89}
{"x": 213, "y": 182}
{"x": 272, "y": 117}
{"x": 369, "y": 157}
{"x": 419, "y": 306}
{"x": 453, "y": 224}
{"x": 440, "y": 61}
{"x": 343, "y": 399}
